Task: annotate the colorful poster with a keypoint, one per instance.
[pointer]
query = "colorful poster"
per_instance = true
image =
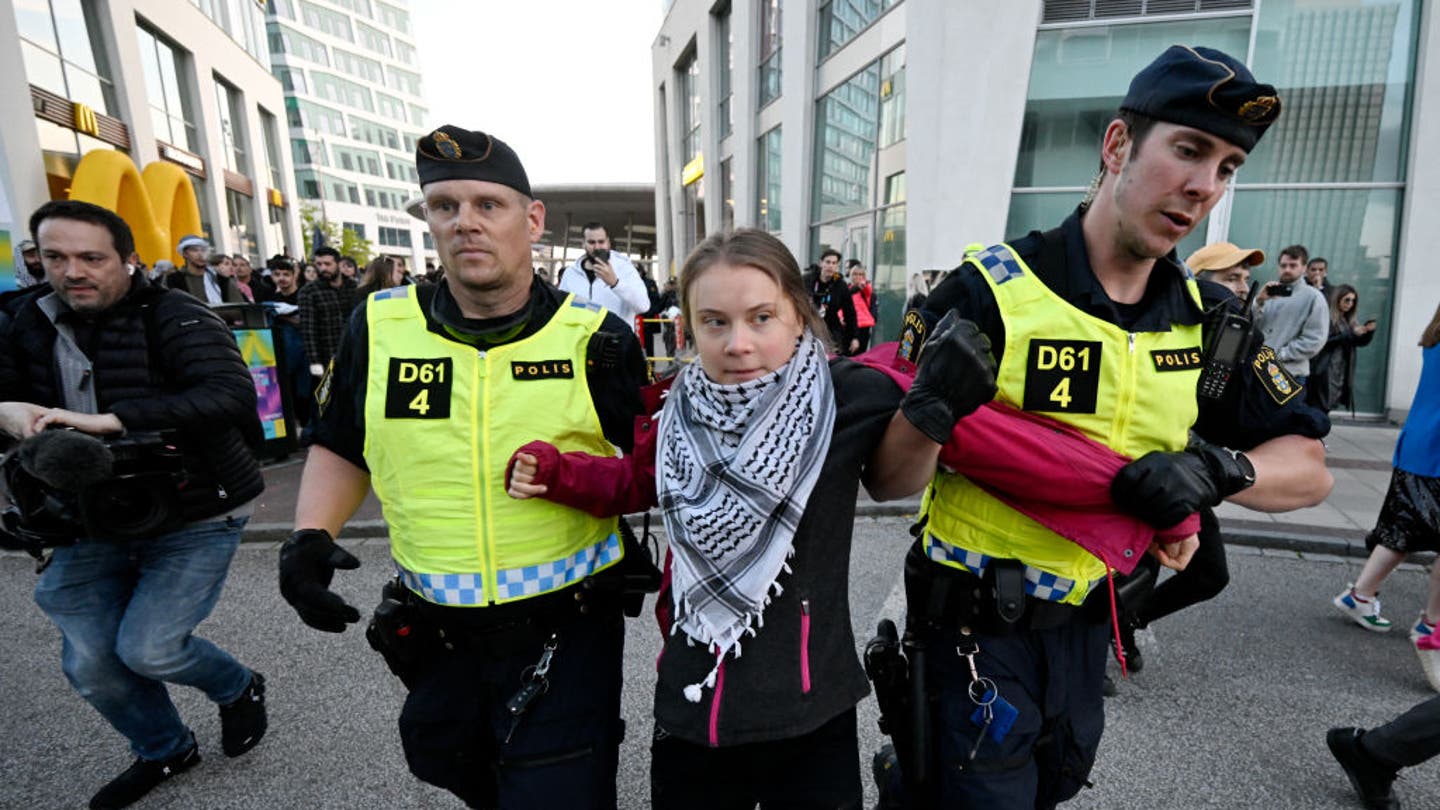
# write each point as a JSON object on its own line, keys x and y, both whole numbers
{"x": 8, "y": 259}
{"x": 257, "y": 346}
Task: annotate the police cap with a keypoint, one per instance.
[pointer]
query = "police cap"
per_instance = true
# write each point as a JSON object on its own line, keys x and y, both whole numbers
{"x": 452, "y": 153}
{"x": 1205, "y": 89}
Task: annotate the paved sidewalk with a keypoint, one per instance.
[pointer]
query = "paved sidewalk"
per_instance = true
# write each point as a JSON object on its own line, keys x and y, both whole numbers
{"x": 1358, "y": 457}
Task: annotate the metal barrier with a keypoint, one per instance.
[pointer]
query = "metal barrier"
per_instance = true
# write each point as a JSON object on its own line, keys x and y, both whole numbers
{"x": 672, "y": 336}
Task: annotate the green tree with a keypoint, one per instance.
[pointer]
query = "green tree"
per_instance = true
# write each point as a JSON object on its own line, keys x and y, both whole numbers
{"x": 344, "y": 240}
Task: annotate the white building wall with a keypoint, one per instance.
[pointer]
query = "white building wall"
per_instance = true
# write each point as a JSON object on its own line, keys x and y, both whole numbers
{"x": 1417, "y": 283}
{"x": 968, "y": 67}
{"x": 21, "y": 170}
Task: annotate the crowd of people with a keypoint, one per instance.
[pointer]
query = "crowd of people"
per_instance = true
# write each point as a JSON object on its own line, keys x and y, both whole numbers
{"x": 1089, "y": 352}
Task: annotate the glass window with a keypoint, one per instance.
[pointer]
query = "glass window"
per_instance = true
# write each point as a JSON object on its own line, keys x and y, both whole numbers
{"x": 242, "y": 225}
{"x": 281, "y": 8}
{"x": 689, "y": 84}
{"x": 373, "y": 39}
{"x": 892, "y": 97}
{"x": 1344, "y": 71}
{"x": 403, "y": 80}
{"x": 170, "y": 110}
{"x": 342, "y": 91}
{"x": 847, "y": 125}
{"x": 288, "y": 40}
{"x": 394, "y": 18}
{"x": 726, "y": 63}
{"x": 63, "y": 52}
{"x": 1077, "y": 80}
{"x": 841, "y": 20}
{"x": 1357, "y": 231}
{"x": 304, "y": 152}
{"x": 405, "y": 52}
{"x": 769, "y": 51}
{"x": 330, "y": 22}
{"x": 359, "y": 66}
{"x": 292, "y": 80}
{"x": 727, "y": 195}
{"x": 309, "y": 115}
{"x": 767, "y": 176}
{"x": 232, "y": 126}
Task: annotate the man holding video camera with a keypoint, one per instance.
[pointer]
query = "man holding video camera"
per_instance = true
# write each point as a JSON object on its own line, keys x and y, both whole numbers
{"x": 606, "y": 277}
{"x": 134, "y": 473}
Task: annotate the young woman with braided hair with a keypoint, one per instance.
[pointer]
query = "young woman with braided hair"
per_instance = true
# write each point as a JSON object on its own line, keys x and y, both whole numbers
{"x": 761, "y": 446}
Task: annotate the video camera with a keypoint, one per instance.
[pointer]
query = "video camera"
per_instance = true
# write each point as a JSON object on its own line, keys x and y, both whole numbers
{"x": 64, "y": 485}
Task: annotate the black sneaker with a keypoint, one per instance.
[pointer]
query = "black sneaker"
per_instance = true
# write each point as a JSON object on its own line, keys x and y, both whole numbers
{"x": 243, "y": 722}
{"x": 1133, "y": 662}
{"x": 142, "y": 777}
{"x": 1371, "y": 779}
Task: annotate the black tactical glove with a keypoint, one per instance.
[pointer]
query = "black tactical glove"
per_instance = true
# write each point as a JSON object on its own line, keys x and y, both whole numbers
{"x": 307, "y": 562}
{"x": 1163, "y": 489}
{"x": 956, "y": 375}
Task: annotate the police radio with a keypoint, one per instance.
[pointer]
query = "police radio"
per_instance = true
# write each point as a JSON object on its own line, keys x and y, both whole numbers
{"x": 1226, "y": 349}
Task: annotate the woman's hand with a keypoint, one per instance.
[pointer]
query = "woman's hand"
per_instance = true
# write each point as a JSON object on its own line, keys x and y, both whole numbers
{"x": 523, "y": 469}
{"x": 1176, "y": 556}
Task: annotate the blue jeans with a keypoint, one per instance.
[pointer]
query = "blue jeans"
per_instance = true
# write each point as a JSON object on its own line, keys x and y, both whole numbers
{"x": 127, "y": 610}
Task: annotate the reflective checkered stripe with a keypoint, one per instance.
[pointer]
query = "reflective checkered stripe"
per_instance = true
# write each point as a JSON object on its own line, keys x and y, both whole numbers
{"x": 1000, "y": 263}
{"x": 514, "y": 583}
{"x": 444, "y": 589}
{"x": 1039, "y": 584}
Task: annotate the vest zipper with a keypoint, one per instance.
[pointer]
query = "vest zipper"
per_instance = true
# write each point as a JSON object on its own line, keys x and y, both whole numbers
{"x": 479, "y": 461}
{"x": 1127, "y": 397}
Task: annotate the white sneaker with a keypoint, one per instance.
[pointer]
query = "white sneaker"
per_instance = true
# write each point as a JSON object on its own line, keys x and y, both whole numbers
{"x": 1428, "y": 648}
{"x": 1421, "y": 628}
{"x": 1364, "y": 612}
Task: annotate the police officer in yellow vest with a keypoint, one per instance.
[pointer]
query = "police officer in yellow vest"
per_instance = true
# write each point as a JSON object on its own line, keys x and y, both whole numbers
{"x": 513, "y": 663}
{"x": 1096, "y": 324}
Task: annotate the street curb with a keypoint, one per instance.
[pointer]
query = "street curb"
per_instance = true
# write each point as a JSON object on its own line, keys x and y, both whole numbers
{"x": 1299, "y": 539}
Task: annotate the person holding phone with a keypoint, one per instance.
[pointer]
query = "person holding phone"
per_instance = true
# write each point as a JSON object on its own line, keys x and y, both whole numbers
{"x": 1333, "y": 369}
{"x": 606, "y": 277}
{"x": 1293, "y": 315}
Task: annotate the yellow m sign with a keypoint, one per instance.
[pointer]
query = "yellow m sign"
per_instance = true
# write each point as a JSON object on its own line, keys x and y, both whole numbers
{"x": 158, "y": 204}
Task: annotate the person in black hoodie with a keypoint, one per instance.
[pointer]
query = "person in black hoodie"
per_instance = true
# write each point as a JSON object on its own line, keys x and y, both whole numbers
{"x": 101, "y": 350}
{"x": 832, "y": 297}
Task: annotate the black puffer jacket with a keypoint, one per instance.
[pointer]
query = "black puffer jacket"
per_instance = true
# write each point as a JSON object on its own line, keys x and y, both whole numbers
{"x": 193, "y": 380}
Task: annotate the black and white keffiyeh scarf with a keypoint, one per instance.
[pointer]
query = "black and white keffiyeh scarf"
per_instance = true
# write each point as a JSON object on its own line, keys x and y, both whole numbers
{"x": 737, "y": 465}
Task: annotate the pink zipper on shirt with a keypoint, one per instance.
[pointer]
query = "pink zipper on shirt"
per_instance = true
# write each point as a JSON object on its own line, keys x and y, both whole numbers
{"x": 805, "y": 646}
{"x": 715, "y": 706}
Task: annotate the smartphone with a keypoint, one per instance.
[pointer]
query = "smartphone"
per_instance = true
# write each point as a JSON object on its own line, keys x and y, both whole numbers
{"x": 601, "y": 255}
{"x": 1278, "y": 290}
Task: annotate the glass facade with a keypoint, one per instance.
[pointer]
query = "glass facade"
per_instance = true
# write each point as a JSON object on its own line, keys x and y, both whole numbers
{"x": 769, "y": 50}
{"x": 232, "y": 126}
{"x": 727, "y": 195}
{"x": 1329, "y": 174}
{"x": 846, "y": 134}
{"x": 841, "y": 20}
{"x": 171, "y": 114}
{"x": 689, "y": 83}
{"x": 244, "y": 21}
{"x": 767, "y": 182}
{"x": 726, "y": 62}
{"x": 63, "y": 52}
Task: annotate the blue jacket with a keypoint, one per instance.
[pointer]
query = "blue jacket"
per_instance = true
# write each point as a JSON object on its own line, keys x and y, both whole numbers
{"x": 1418, "y": 449}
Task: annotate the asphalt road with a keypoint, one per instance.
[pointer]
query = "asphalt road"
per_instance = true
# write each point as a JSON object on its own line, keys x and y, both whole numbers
{"x": 1230, "y": 711}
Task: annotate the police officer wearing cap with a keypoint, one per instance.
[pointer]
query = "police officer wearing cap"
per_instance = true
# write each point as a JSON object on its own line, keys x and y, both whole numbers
{"x": 513, "y": 662}
{"x": 1096, "y": 324}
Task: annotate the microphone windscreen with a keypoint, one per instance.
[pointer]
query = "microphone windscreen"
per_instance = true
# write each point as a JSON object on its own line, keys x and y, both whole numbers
{"x": 67, "y": 460}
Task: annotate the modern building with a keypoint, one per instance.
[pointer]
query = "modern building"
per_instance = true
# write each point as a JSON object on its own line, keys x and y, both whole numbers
{"x": 351, "y": 73}
{"x": 185, "y": 83}
{"x": 899, "y": 131}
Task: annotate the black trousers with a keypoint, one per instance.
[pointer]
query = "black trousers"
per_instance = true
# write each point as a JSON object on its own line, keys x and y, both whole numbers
{"x": 1409, "y": 739}
{"x": 563, "y": 752}
{"x": 815, "y": 771}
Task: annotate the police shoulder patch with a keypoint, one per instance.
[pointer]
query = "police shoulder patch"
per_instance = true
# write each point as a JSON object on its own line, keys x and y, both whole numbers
{"x": 1273, "y": 377}
{"x": 322, "y": 390}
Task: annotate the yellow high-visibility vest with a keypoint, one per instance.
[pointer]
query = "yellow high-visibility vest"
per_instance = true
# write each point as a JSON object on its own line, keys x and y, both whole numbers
{"x": 442, "y": 419}
{"x": 1132, "y": 391}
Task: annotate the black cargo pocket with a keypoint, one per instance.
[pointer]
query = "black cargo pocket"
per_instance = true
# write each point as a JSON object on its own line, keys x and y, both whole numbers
{"x": 1063, "y": 763}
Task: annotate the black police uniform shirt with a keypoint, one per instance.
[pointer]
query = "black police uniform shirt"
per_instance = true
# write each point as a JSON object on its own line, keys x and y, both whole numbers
{"x": 614, "y": 384}
{"x": 1254, "y": 408}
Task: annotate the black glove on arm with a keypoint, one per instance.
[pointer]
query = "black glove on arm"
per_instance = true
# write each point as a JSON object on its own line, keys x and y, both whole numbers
{"x": 307, "y": 563}
{"x": 956, "y": 375}
{"x": 1162, "y": 488}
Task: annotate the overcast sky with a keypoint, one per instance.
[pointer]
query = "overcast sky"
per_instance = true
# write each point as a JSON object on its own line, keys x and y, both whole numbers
{"x": 564, "y": 82}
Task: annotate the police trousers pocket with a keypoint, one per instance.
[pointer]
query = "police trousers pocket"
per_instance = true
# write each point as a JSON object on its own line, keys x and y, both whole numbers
{"x": 1063, "y": 763}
